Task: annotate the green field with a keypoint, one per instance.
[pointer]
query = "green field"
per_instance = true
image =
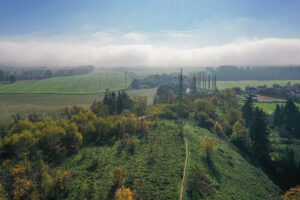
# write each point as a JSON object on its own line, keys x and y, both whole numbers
{"x": 49, "y": 104}
{"x": 96, "y": 82}
{"x": 231, "y": 176}
{"x": 269, "y": 108}
{"x": 252, "y": 83}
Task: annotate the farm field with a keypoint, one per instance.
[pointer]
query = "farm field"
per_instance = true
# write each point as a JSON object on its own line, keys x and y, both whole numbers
{"x": 93, "y": 83}
{"x": 49, "y": 104}
{"x": 252, "y": 83}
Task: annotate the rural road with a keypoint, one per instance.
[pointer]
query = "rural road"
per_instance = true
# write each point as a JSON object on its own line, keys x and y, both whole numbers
{"x": 184, "y": 170}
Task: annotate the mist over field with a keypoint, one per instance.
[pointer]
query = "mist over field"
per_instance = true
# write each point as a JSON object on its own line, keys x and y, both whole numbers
{"x": 133, "y": 50}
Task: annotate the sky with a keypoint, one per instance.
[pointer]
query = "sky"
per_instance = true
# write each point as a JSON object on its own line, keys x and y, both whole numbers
{"x": 149, "y": 33}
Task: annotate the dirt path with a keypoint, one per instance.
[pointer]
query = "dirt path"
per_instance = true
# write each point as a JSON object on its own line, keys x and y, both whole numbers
{"x": 184, "y": 170}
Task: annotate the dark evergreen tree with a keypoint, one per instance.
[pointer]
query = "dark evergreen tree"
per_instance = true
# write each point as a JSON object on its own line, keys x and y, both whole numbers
{"x": 259, "y": 133}
{"x": 248, "y": 110}
{"x": 291, "y": 117}
{"x": 119, "y": 103}
{"x": 278, "y": 116}
{"x": 113, "y": 103}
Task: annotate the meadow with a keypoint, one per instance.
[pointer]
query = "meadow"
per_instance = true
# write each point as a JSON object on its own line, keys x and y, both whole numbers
{"x": 93, "y": 83}
{"x": 50, "y": 104}
{"x": 269, "y": 108}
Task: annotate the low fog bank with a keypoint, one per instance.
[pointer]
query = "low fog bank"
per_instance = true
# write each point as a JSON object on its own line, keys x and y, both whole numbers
{"x": 258, "y": 52}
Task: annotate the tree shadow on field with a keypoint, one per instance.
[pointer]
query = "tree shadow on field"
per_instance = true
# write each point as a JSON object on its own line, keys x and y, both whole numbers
{"x": 212, "y": 169}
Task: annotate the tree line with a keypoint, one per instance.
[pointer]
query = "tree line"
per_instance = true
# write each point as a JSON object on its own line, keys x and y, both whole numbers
{"x": 13, "y": 74}
{"x": 234, "y": 73}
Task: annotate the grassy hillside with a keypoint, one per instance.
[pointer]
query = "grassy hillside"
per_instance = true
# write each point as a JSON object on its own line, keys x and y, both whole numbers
{"x": 95, "y": 82}
{"x": 231, "y": 176}
{"x": 158, "y": 180}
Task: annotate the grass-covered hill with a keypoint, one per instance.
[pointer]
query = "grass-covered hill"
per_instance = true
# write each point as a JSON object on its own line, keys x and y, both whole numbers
{"x": 154, "y": 170}
{"x": 95, "y": 82}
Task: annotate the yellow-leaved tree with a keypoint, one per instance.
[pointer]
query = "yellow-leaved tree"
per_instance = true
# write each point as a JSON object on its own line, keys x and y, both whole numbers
{"x": 218, "y": 129}
{"x": 209, "y": 147}
{"x": 123, "y": 194}
{"x": 292, "y": 194}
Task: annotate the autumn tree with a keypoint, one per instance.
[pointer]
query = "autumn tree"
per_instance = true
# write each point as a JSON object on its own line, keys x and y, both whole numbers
{"x": 292, "y": 194}
{"x": 218, "y": 129}
{"x": 123, "y": 194}
{"x": 100, "y": 109}
{"x": 208, "y": 145}
{"x": 239, "y": 135}
{"x": 232, "y": 116}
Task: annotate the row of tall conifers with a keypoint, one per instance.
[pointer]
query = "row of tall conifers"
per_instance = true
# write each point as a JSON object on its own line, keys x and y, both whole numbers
{"x": 203, "y": 80}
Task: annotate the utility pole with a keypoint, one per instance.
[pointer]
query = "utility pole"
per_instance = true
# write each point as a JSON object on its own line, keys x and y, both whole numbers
{"x": 180, "y": 109}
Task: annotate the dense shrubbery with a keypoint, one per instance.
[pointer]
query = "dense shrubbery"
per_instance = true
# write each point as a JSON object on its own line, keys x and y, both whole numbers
{"x": 54, "y": 139}
{"x": 204, "y": 113}
{"x": 33, "y": 180}
{"x": 199, "y": 185}
{"x": 167, "y": 111}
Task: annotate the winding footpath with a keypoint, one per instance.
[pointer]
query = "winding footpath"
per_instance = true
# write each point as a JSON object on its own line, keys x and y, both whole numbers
{"x": 184, "y": 170}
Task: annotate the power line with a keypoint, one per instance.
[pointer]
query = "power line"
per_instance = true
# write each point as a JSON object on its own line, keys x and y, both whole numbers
{"x": 180, "y": 109}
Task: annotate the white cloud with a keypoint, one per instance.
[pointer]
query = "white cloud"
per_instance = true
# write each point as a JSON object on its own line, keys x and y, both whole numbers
{"x": 135, "y": 37}
{"x": 135, "y": 49}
